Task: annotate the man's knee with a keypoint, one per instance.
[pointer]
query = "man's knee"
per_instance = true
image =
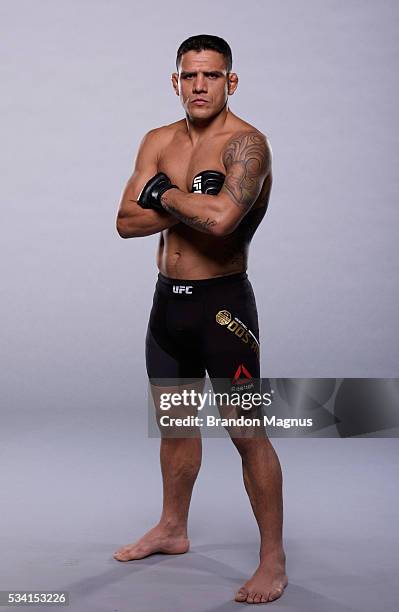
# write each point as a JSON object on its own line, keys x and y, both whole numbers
{"x": 248, "y": 445}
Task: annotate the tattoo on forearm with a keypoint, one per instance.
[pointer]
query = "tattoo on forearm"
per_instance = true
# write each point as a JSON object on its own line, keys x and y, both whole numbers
{"x": 195, "y": 222}
{"x": 247, "y": 159}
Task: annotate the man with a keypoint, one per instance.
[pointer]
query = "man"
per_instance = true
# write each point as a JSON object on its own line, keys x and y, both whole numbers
{"x": 204, "y": 183}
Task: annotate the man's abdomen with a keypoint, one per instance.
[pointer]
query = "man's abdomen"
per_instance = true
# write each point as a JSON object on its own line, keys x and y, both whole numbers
{"x": 188, "y": 254}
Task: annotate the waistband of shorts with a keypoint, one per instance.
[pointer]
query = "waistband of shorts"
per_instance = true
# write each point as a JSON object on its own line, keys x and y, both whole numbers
{"x": 218, "y": 281}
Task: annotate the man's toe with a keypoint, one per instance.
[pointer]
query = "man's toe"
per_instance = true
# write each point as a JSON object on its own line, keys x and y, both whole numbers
{"x": 241, "y": 594}
{"x": 275, "y": 593}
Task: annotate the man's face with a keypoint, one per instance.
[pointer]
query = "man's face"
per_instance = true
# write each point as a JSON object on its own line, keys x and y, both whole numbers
{"x": 203, "y": 83}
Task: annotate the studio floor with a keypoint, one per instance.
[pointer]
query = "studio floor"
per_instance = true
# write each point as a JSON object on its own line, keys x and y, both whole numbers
{"x": 70, "y": 499}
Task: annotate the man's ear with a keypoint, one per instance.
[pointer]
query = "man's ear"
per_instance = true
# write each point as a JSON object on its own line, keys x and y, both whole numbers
{"x": 175, "y": 82}
{"x": 232, "y": 83}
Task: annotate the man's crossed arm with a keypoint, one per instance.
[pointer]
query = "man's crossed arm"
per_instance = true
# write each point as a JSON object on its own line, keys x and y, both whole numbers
{"x": 247, "y": 158}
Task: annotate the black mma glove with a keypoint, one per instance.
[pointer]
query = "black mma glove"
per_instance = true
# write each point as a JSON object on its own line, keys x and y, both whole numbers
{"x": 209, "y": 182}
{"x": 150, "y": 196}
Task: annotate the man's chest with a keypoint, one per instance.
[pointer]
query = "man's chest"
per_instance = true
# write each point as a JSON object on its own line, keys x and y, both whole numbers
{"x": 182, "y": 162}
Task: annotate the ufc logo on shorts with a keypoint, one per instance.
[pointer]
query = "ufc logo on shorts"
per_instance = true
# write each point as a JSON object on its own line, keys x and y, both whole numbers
{"x": 182, "y": 288}
{"x": 197, "y": 187}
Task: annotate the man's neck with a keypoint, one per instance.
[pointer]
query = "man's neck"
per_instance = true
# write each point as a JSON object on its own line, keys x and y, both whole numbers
{"x": 198, "y": 130}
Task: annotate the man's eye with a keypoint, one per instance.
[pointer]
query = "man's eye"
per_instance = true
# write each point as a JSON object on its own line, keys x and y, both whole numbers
{"x": 213, "y": 76}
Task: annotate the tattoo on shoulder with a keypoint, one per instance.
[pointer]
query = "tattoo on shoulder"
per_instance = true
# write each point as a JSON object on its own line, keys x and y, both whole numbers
{"x": 247, "y": 158}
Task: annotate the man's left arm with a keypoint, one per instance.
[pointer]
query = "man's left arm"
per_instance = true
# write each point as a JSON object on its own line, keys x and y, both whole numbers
{"x": 247, "y": 157}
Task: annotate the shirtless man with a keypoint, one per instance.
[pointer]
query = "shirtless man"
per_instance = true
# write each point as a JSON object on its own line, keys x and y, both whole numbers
{"x": 204, "y": 183}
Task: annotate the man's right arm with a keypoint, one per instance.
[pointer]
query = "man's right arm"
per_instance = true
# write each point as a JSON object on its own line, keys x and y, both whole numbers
{"x": 133, "y": 221}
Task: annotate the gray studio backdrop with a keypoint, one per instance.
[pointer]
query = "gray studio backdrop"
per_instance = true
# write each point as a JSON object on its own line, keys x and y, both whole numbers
{"x": 81, "y": 84}
{"x": 82, "y": 81}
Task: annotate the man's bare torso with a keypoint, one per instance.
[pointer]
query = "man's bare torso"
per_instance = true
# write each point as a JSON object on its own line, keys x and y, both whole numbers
{"x": 184, "y": 252}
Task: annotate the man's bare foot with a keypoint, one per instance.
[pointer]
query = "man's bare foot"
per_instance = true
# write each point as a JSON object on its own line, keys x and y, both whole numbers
{"x": 157, "y": 540}
{"x": 267, "y": 583}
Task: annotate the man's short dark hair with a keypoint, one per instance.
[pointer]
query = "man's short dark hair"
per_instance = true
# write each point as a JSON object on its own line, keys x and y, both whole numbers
{"x": 203, "y": 42}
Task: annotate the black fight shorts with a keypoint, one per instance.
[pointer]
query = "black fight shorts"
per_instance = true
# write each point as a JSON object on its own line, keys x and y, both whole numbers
{"x": 199, "y": 326}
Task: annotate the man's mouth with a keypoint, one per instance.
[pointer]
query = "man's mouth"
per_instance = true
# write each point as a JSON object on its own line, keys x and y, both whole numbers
{"x": 199, "y": 101}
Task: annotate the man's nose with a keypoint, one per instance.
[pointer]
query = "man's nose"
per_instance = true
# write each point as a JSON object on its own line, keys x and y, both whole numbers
{"x": 199, "y": 83}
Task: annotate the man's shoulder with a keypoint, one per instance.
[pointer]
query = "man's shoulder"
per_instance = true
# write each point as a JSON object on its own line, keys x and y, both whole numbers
{"x": 240, "y": 129}
{"x": 165, "y": 133}
{"x": 244, "y": 141}
{"x": 157, "y": 139}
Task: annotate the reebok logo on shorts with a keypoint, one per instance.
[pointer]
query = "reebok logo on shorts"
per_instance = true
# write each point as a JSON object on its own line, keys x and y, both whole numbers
{"x": 242, "y": 375}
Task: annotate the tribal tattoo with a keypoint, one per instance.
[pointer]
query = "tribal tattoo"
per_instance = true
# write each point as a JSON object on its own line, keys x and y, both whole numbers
{"x": 247, "y": 158}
